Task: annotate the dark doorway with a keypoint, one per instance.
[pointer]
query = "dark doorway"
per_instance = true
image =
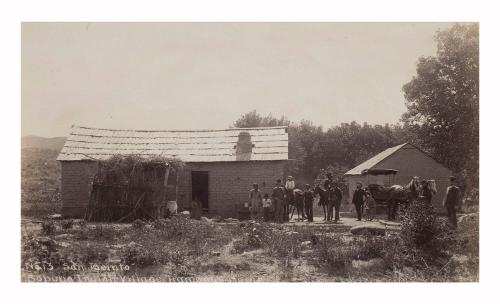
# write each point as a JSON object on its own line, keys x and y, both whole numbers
{"x": 199, "y": 183}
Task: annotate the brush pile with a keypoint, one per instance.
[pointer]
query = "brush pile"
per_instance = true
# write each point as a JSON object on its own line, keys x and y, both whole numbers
{"x": 126, "y": 188}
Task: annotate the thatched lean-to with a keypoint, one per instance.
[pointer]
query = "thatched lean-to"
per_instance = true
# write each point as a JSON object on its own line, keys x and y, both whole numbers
{"x": 130, "y": 187}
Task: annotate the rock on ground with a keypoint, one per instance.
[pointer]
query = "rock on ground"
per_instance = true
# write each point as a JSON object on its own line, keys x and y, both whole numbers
{"x": 373, "y": 265}
{"x": 368, "y": 229}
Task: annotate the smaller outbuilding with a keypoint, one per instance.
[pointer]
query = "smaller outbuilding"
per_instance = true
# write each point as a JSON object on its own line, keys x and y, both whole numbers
{"x": 396, "y": 166}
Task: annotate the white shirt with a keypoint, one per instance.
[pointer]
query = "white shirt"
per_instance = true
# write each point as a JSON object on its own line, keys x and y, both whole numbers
{"x": 290, "y": 185}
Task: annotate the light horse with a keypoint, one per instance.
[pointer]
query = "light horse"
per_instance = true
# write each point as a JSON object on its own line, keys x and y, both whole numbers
{"x": 323, "y": 199}
{"x": 395, "y": 195}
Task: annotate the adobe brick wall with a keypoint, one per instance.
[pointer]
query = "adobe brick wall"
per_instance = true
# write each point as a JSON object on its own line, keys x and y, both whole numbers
{"x": 229, "y": 183}
{"x": 76, "y": 184}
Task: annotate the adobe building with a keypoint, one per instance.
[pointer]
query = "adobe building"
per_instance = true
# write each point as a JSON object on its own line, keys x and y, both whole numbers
{"x": 220, "y": 165}
{"x": 397, "y": 166}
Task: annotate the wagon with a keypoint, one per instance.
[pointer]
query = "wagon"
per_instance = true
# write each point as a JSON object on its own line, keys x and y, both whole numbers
{"x": 377, "y": 178}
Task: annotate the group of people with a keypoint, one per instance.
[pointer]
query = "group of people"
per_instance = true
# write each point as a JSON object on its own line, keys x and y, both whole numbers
{"x": 277, "y": 206}
{"x": 363, "y": 200}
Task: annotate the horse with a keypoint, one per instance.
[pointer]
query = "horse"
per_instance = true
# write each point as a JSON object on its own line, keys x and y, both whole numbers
{"x": 297, "y": 204}
{"x": 323, "y": 199}
{"x": 395, "y": 195}
{"x": 432, "y": 186}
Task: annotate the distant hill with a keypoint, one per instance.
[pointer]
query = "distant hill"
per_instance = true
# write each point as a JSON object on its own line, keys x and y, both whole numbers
{"x": 37, "y": 142}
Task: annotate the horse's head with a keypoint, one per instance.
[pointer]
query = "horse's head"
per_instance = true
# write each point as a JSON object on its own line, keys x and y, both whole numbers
{"x": 432, "y": 186}
{"x": 414, "y": 185}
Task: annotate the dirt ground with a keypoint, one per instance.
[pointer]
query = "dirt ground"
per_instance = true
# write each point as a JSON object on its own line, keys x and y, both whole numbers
{"x": 189, "y": 250}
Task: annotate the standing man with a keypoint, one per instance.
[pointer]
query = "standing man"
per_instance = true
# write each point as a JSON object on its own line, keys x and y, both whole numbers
{"x": 308, "y": 201}
{"x": 289, "y": 195}
{"x": 328, "y": 182}
{"x": 255, "y": 201}
{"x": 358, "y": 200}
{"x": 328, "y": 185}
{"x": 278, "y": 196}
{"x": 337, "y": 200}
{"x": 452, "y": 201}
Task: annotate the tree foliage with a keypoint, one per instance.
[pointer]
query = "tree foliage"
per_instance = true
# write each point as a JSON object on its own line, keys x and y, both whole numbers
{"x": 338, "y": 148}
{"x": 443, "y": 101}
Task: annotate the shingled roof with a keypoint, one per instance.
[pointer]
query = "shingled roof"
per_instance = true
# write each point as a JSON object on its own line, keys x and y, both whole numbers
{"x": 83, "y": 143}
{"x": 372, "y": 162}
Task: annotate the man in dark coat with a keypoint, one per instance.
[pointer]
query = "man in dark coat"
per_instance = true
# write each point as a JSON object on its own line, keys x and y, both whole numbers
{"x": 278, "y": 196}
{"x": 308, "y": 202}
{"x": 452, "y": 201}
{"x": 336, "y": 200}
{"x": 358, "y": 200}
{"x": 328, "y": 182}
{"x": 328, "y": 185}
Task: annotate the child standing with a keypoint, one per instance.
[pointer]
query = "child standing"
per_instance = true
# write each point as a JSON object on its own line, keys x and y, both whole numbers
{"x": 267, "y": 204}
{"x": 370, "y": 206}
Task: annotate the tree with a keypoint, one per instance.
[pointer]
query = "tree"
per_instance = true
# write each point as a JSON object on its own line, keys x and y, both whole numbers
{"x": 443, "y": 101}
{"x": 253, "y": 119}
{"x": 340, "y": 147}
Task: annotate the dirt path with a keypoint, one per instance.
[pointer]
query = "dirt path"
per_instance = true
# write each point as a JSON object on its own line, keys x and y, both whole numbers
{"x": 344, "y": 221}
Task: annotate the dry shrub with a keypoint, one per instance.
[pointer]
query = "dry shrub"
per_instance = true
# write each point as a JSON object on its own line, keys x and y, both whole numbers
{"x": 98, "y": 232}
{"x": 138, "y": 224}
{"x": 283, "y": 244}
{"x": 418, "y": 224}
{"x": 67, "y": 224}
{"x": 92, "y": 254}
{"x": 338, "y": 252}
{"x": 160, "y": 223}
{"x": 278, "y": 242}
{"x": 48, "y": 227}
{"x": 139, "y": 256}
{"x": 104, "y": 232}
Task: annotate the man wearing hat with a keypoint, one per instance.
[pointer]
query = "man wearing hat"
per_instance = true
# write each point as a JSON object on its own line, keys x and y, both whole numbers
{"x": 278, "y": 196}
{"x": 336, "y": 198}
{"x": 308, "y": 202}
{"x": 289, "y": 186}
{"x": 255, "y": 201}
{"x": 328, "y": 182}
{"x": 328, "y": 185}
{"x": 452, "y": 201}
{"x": 358, "y": 199}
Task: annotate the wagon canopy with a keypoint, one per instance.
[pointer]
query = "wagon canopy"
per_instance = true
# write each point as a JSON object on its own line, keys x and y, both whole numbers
{"x": 379, "y": 172}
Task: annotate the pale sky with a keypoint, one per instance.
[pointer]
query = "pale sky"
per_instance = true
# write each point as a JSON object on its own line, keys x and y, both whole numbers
{"x": 206, "y": 75}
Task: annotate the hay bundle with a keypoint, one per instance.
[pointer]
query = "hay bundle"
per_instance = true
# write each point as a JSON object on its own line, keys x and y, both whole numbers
{"x": 129, "y": 187}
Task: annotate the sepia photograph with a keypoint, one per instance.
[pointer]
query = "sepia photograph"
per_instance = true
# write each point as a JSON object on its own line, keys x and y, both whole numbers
{"x": 249, "y": 152}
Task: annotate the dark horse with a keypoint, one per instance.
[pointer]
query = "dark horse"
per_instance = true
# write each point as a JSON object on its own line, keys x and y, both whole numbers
{"x": 297, "y": 204}
{"x": 323, "y": 199}
{"x": 395, "y": 195}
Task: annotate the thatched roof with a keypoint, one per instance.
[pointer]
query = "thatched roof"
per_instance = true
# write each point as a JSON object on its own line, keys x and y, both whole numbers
{"x": 189, "y": 146}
